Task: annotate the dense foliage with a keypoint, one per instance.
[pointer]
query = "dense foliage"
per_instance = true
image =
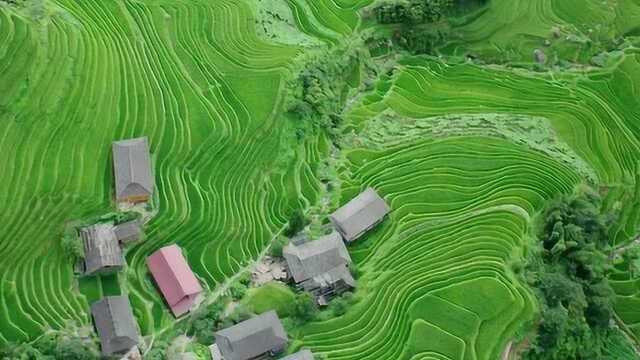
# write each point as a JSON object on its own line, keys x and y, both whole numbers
{"x": 419, "y": 25}
{"x": 318, "y": 92}
{"x": 53, "y": 346}
{"x": 568, "y": 272}
{"x": 412, "y": 11}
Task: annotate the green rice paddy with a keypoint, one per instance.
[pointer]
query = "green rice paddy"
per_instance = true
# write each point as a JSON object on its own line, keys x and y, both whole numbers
{"x": 465, "y": 154}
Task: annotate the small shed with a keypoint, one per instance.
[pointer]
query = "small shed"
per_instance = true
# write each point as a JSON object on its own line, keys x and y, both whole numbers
{"x": 102, "y": 253}
{"x": 132, "y": 170}
{"x": 115, "y": 325}
{"x": 359, "y": 215}
{"x": 259, "y": 336}
{"x": 174, "y": 278}
{"x": 129, "y": 231}
{"x": 300, "y": 355}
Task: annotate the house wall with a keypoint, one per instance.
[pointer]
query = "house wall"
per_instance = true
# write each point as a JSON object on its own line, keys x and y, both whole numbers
{"x": 134, "y": 199}
{"x": 183, "y": 306}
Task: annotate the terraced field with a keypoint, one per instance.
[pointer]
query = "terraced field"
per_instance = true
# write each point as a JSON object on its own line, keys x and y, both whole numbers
{"x": 437, "y": 269}
{"x": 465, "y": 154}
{"x": 193, "y": 77}
{"x": 462, "y": 203}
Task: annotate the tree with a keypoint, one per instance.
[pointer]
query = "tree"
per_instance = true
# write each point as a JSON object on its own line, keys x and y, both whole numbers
{"x": 568, "y": 270}
{"x": 304, "y": 307}
{"x": 297, "y": 222}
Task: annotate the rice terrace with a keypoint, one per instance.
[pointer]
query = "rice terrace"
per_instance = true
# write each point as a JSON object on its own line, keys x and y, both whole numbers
{"x": 320, "y": 179}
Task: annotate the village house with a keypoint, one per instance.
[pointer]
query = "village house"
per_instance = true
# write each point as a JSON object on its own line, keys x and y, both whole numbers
{"x": 115, "y": 325}
{"x": 132, "y": 170}
{"x": 256, "y": 338}
{"x": 320, "y": 267}
{"x": 101, "y": 243}
{"x": 174, "y": 278}
{"x": 300, "y": 355}
{"x": 102, "y": 252}
{"x": 359, "y": 215}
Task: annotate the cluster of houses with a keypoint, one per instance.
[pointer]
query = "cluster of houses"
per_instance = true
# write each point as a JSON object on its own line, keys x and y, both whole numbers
{"x": 103, "y": 242}
{"x": 320, "y": 267}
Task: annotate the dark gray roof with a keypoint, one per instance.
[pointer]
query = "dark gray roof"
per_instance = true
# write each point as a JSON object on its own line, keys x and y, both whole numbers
{"x": 128, "y": 231}
{"x": 101, "y": 248}
{"x": 252, "y": 337}
{"x": 115, "y": 324}
{"x": 360, "y": 214}
{"x": 132, "y": 168}
{"x": 315, "y": 258}
{"x": 300, "y": 355}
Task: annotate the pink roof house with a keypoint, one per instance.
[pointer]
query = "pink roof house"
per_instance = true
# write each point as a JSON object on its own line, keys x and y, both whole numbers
{"x": 175, "y": 279}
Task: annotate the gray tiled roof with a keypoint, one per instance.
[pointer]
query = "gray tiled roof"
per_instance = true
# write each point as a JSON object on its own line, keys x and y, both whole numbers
{"x": 329, "y": 278}
{"x": 252, "y": 337}
{"x": 315, "y": 258}
{"x": 360, "y": 214}
{"x": 101, "y": 248}
{"x": 300, "y": 355}
{"x": 132, "y": 168}
{"x": 115, "y": 324}
{"x": 129, "y": 231}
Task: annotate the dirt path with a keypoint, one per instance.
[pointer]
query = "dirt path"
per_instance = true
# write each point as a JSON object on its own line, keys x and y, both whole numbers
{"x": 507, "y": 351}
{"x": 224, "y": 286}
{"x": 624, "y": 248}
{"x": 221, "y": 289}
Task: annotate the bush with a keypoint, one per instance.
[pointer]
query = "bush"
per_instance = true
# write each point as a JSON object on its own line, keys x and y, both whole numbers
{"x": 276, "y": 248}
{"x": 158, "y": 351}
{"x": 72, "y": 247}
{"x": 237, "y": 290}
{"x": 74, "y": 349}
{"x": 240, "y": 314}
{"x": 205, "y": 321}
{"x": 339, "y": 306}
{"x": 354, "y": 270}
